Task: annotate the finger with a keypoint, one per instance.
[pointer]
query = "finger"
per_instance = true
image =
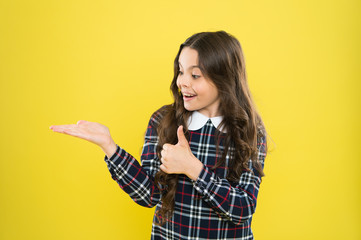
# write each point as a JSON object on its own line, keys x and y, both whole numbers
{"x": 181, "y": 138}
{"x": 81, "y": 122}
{"x": 72, "y": 130}
{"x": 63, "y": 126}
{"x": 163, "y": 153}
{"x": 166, "y": 146}
{"x": 163, "y": 168}
{"x": 60, "y": 128}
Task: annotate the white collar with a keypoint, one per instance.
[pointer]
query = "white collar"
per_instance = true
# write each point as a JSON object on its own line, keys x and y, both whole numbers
{"x": 197, "y": 120}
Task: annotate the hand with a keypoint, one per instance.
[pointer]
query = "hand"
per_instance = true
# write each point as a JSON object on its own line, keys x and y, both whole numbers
{"x": 179, "y": 158}
{"x": 90, "y": 131}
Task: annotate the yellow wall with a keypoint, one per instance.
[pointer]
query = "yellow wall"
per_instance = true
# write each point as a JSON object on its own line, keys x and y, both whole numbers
{"x": 111, "y": 62}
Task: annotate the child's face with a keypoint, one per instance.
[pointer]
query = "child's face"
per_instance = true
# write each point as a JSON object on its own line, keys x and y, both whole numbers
{"x": 198, "y": 92}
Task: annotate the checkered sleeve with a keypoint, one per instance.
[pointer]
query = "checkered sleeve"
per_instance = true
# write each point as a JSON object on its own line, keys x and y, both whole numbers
{"x": 234, "y": 202}
{"x": 136, "y": 180}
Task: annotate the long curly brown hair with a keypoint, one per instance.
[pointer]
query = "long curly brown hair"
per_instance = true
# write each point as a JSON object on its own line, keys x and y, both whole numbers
{"x": 221, "y": 60}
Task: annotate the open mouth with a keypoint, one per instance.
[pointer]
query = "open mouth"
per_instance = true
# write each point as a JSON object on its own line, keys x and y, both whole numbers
{"x": 187, "y": 96}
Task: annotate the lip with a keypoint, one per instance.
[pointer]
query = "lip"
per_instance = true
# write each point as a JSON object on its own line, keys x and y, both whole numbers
{"x": 188, "y": 93}
{"x": 185, "y": 98}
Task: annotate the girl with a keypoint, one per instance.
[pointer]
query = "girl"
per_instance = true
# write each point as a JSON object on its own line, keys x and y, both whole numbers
{"x": 203, "y": 156}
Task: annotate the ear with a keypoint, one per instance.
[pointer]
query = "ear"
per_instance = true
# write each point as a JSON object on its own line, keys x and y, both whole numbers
{"x": 181, "y": 138}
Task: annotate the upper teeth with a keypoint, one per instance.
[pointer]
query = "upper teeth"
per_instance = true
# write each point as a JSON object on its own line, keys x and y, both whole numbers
{"x": 188, "y": 95}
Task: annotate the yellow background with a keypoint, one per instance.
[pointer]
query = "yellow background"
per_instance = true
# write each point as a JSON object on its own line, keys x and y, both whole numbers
{"x": 111, "y": 62}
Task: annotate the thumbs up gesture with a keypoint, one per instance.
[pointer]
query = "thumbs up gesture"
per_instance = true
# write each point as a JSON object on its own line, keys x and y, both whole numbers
{"x": 179, "y": 158}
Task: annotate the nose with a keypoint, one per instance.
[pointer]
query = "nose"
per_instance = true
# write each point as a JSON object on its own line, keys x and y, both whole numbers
{"x": 183, "y": 81}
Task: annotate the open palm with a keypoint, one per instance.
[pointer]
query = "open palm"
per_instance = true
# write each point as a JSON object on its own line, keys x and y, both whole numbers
{"x": 90, "y": 131}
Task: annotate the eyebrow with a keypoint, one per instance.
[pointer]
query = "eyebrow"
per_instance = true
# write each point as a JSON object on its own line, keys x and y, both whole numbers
{"x": 194, "y": 66}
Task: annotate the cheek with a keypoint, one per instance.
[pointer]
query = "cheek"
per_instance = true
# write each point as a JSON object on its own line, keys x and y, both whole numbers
{"x": 202, "y": 90}
{"x": 212, "y": 94}
{"x": 213, "y": 89}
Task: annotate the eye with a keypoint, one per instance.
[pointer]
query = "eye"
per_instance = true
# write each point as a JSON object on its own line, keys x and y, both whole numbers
{"x": 180, "y": 72}
{"x": 195, "y": 76}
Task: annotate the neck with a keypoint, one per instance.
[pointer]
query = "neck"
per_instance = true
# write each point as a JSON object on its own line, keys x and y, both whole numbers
{"x": 209, "y": 114}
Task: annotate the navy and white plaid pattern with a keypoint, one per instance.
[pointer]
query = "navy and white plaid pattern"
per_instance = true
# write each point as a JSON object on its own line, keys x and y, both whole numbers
{"x": 210, "y": 207}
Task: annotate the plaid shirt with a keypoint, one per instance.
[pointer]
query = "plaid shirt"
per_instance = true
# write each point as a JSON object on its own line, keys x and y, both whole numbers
{"x": 210, "y": 207}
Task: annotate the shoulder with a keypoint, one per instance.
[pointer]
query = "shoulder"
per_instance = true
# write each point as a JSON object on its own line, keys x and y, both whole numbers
{"x": 159, "y": 114}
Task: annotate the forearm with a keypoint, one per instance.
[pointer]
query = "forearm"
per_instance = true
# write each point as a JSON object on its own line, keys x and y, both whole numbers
{"x": 133, "y": 178}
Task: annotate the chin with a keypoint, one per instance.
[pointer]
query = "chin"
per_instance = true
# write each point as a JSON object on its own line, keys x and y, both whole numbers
{"x": 190, "y": 109}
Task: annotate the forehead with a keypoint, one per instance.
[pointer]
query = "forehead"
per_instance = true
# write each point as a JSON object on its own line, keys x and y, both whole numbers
{"x": 188, "y": 57}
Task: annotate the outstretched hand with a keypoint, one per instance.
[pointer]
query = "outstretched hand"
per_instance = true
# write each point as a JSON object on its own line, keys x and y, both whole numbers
{"x": 179, "y": 158}
{"x": 90, "y": 131}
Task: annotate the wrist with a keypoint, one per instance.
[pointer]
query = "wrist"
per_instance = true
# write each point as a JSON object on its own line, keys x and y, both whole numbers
{"x": 109, "y": 148}
{"x": 195, "y": 169}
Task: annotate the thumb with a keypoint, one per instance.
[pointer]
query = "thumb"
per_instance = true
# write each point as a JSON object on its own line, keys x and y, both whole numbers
{"x": 181, "y": 138}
